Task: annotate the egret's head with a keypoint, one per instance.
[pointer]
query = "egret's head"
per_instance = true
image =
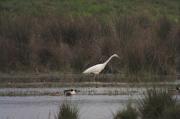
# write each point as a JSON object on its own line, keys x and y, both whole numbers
{"x": 115, "y": 55}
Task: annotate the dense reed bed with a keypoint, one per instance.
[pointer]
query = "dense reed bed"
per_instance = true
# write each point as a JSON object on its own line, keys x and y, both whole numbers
{"x": 71, "y": 44}
{"x": 69, "y": 36}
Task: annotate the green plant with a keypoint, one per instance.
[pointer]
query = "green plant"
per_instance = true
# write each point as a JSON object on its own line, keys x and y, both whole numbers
{"x": 171, "y": 112}
{"x": 128, "y": 113}
{"x": 67, "y": 112}
{"x": 154, "y": 103}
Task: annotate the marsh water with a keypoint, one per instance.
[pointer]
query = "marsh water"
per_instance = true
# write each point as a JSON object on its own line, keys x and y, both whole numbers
{"x": 46, "y": 107}
{"x": 93, "y": 103}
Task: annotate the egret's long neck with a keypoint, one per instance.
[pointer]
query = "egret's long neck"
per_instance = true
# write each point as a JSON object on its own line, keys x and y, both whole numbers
{"x": 106, "y": 62}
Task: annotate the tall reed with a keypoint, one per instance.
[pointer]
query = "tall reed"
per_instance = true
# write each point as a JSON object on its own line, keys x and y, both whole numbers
{"x": 71, "y": 44}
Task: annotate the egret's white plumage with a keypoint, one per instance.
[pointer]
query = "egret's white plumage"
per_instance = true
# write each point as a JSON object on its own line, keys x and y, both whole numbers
{"x": 96, "y": 69}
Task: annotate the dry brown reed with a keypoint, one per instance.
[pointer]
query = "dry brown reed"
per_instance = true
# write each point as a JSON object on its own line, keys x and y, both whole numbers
{"x": 71, "y": 44}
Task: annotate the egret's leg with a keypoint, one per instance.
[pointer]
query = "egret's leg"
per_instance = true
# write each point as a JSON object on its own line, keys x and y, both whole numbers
{"x": 91, "y": 80}
{"x": 95, "y": 80}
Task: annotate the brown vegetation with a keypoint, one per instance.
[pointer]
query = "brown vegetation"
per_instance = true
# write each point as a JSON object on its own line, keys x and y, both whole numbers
{"x": 71, "y": 44}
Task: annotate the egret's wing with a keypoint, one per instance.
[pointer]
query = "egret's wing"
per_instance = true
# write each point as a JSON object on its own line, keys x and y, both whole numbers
{"x": 95, "y": 69}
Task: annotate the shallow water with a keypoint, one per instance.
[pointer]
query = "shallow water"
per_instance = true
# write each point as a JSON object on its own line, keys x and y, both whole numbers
{"x": 46, "y": 107}
{"x": 93, "y": 103}
{"x": 43, "y": 107}
{"x": 83, "y": 91}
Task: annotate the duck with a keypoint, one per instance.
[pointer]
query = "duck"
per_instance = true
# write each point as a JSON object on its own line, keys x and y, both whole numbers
{"x": 177, "y": 89}
{"x": 70, "y": 92}
{"x": 174, "y": 91}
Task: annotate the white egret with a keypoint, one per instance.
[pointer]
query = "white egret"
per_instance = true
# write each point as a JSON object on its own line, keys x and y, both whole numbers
{"x": 96, "y": 69}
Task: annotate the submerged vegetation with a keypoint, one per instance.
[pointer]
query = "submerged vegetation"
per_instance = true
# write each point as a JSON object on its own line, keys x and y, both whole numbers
{"x": 69, "y": 36}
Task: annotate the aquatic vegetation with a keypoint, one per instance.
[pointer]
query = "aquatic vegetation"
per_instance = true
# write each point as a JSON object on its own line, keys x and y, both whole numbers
{"x": 128, "y": 113}
{"x": 171, "y": 112}
{"x": 154, "y": 104}
{"x": 66, "y": 111}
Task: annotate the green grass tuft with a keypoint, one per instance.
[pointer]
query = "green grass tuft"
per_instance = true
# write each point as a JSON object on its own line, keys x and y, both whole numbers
{"x": 66, "y": 111}
{"x": 171, "y": 113}
{"x": 129, "y": 113}
{"x": 155, "y": 103}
